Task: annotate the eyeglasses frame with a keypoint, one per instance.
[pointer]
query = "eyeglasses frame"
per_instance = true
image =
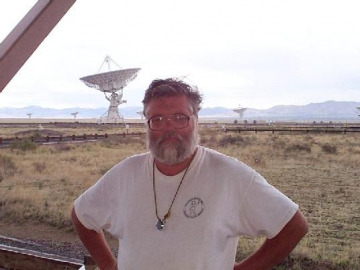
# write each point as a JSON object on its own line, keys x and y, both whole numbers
{"x": 168, "y": 119}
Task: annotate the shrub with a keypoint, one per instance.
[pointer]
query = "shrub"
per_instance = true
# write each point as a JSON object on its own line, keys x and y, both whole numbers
{"x": 297, "y": 147}
{"x": 39, "y": 166}
{"x": 23, "y": 145}
{"x": 63, "y": 147}
{"x": 277, "y": 143}
{"x": 7, "y": 167}
{"x": 102, "y": 171}
{"x": 235, "y": 140}
{"x": 329, "y": 149}
{"x": 226, "y": 140}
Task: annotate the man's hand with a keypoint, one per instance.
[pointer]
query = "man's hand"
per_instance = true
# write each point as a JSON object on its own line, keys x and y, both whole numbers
{"x": 96, "y": 244}
{"x": 275, "y": 250}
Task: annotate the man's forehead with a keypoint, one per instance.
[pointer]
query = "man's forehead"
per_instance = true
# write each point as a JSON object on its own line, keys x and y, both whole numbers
{"x": 168, "y": 103}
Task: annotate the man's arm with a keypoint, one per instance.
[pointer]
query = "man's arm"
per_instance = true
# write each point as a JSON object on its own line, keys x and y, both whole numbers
{"x": 275, "y": 250}
{"x": 96, "y": 244}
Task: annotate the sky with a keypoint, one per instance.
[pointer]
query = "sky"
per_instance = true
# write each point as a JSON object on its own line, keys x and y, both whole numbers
{"x": 253, "y": 53}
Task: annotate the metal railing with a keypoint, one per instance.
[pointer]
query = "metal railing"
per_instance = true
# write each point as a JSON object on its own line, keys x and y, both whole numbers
{"x": 16, "y": 254}
{"x": 70, "y": 138}
{"x": 292, "y": 129}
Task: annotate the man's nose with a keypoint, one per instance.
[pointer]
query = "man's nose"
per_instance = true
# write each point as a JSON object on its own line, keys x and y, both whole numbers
{"x": 169, "y": 124}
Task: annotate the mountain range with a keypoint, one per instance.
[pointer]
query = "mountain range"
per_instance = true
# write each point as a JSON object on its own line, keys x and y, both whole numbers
{"x": 325, "y": 111}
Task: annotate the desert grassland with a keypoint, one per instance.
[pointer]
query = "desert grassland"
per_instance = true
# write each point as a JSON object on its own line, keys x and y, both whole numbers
{"x": 321, "y": 172}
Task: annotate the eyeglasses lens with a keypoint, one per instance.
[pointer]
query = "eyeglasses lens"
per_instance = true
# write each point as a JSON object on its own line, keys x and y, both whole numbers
{"x": 177, "y": 121}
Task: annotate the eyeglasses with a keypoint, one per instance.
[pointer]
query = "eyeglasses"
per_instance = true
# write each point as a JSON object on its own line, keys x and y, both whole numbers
{"x": 178, "y": 121}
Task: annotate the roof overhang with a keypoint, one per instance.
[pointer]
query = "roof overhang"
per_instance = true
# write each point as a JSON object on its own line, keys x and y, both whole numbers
{"x": 24, "y": 39}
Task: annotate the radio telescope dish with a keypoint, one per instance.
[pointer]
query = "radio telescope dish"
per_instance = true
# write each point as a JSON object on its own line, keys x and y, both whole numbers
{"x": 111, "y": 83}
{"x": 240, "y": 110}
{"x": 74, "y": 114}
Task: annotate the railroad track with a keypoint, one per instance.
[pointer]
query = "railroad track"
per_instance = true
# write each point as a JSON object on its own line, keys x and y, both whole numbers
{"x": 17, "y": 254}
{"x": 293, "y": 130}
{"x": 66, "y": 139}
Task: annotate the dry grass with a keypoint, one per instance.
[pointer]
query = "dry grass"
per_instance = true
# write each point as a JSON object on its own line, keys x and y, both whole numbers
{"x": 320, "y": 172}
{"x": 48, "y": 179}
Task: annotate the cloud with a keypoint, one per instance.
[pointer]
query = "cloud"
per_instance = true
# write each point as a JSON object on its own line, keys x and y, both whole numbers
{"x": 253, "y": 52}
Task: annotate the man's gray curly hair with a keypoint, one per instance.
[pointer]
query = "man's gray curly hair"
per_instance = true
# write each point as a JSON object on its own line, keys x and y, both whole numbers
{"x": 173, "y": 87}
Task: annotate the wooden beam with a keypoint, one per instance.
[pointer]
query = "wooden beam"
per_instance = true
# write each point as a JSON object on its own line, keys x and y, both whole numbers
{"x": 17, "y": 258}
{"x": 24, "y": 39}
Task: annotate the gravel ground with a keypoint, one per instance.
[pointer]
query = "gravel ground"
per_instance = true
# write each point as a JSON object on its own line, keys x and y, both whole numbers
{"x": 44, "y": 238}
{"x": 64, "y": 249}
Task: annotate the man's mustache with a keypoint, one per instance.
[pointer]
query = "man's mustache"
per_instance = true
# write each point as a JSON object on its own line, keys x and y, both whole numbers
{"x": 169, "y": 135}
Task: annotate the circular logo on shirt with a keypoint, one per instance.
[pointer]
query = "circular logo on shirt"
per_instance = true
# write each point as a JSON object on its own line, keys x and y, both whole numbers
{"x": 194, "y": 207}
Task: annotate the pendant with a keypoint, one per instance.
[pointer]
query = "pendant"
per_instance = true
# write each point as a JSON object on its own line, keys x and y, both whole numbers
{"x": 160, "y": 224}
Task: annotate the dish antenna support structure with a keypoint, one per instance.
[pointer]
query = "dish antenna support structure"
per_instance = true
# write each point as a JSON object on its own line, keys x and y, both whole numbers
{"x": 111, "y": 83}
{"x": 74, "y": 114}
{"x": 240, "y": 110}
{"x": 358, "y": 107}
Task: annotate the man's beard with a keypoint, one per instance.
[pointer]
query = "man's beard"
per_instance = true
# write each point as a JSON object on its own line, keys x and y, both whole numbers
{"x": 174, "y": 151}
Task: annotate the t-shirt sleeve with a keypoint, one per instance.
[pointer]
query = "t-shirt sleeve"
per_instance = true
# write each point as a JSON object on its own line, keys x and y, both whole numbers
{"x": 92, "y": 207}
{"x": 264, "y": 209}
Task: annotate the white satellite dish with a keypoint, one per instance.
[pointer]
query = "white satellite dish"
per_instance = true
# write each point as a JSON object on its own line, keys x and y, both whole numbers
{"x": 111, "y": 83}
{"x": 74, "y": 114}
{"x": 240, "y": 110}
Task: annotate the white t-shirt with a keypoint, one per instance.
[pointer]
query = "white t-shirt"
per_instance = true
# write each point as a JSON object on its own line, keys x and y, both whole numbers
{"x": 219, "y": 200}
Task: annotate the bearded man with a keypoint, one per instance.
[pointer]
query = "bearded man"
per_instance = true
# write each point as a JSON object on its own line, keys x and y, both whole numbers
{"x": 182, "y": 206}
